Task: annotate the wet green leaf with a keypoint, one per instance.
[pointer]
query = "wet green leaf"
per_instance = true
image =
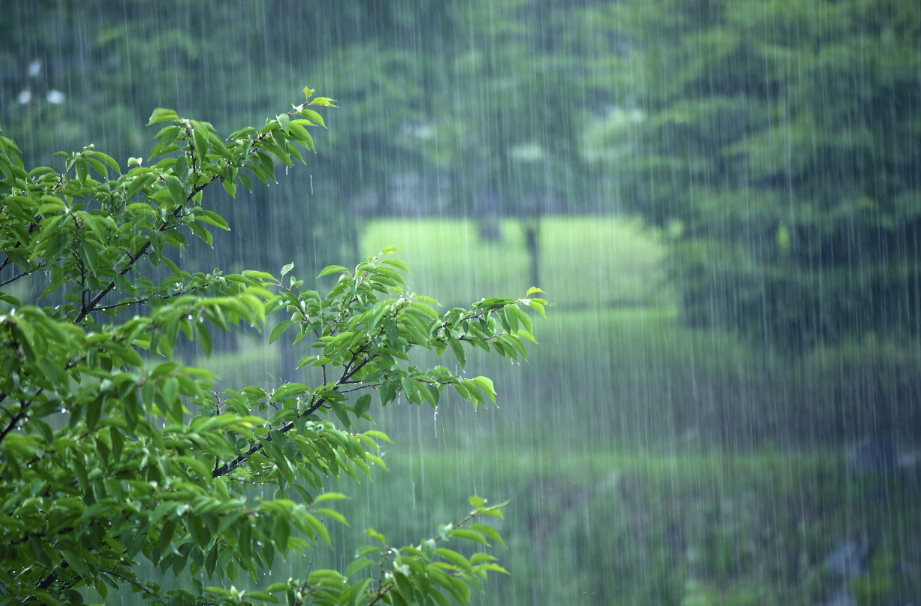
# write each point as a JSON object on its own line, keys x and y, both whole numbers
{"x": 332, "y": 269}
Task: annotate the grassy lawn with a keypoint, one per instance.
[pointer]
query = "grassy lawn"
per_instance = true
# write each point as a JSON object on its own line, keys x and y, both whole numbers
{"x": 615, "y": 366}
{"x": 585, "y": 261}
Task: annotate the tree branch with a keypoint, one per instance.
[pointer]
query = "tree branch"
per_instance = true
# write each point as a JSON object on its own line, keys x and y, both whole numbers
{"x": 141, "y": 252}
{"x": 132, "y": 581}
{"x": 19, "y": 416}
{"x": 372, "y": 386}
{"x": 147, "y": 298}
{"x": 22, "y": 275}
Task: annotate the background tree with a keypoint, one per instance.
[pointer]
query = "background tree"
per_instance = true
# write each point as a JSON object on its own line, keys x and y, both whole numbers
{"x": 407, "y": 143}
{"x": 778, "y": 143}
{"x": 111, "y": 448}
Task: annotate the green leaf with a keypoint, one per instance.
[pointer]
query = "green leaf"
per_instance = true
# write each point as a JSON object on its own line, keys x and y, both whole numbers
{"x": 342, "y": 414}
{"x": 277, "y": 587}
{"x": 425, "y": 309}
{"x": 10, "y": 299}
{"x": 82, "y": 170}
{"x": 280, "y": 330}
{"x": 201, "y": 232}
{"x": 286, "y": 269}
{"x": 376, "y": 535}
{"x": 376, "y": 460}
{"x": 489, "y": 532}
{"x": 362, "y": 405}
{"x": 162, "y": 115}
{"x": 230, "y": 187}
{"x": 455, "y": 558}
{"x": 204, "y": 338}
{"x": 212, "y": 218}
{"x": 537, "y": 307}
{"x": 197, "y": 466}
{"x": 332, "y": 269}
{"x": 469, "y": 535}
{"x": 511, "y": 316}
{"x": 358, "y": 565}
{"x": 323, "y": 101}
{"x": 99, "y": 167}
{"x": 108, "y": 160}
{"x": 388, "y": 391}
{"x": 44, "y": 596}
{"x": 329, "y": 496}
{"x": 378, "y": 434}
{"x": 332, "y": 514}
{"x": 486, "y": 384}
{"x": 260, "y": 275}
{"x": 176, "y": 192}
{"x": 318, "y": 527}
{"x": 262, "y": 596}
{"x": 312, "y": 115}
{"x": 458, "y": 350}
{"x": 284, "y": 121}
{"x": 524, "y": 318}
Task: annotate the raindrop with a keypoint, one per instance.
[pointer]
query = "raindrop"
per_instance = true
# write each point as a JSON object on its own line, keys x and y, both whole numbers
{"x": 55, "y": 96}
{"x": 24, "y": 97}
{"x": 35, "y": 68}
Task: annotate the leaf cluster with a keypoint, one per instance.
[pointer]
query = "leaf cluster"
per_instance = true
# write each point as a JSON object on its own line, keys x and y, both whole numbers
{"x": 112, "y": 449}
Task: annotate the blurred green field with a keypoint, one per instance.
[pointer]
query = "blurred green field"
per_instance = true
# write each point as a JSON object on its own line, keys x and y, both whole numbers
{"x": 615, "y": 366}
{"x": 640, "y": 528}
{"x": 647, "y": 463}
{"x": 584, "y": 261}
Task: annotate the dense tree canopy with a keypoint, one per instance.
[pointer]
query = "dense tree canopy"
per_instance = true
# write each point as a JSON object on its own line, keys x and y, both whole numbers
{"x": 778, "y": 142}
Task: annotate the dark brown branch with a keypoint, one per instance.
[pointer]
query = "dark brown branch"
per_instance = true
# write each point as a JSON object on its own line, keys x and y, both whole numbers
{"x": 372, "y": 386}
{"x": 147, "y": 298}
{"x": 141, "y": 252}
{"x": 22, "y": 275}
{"x": 225, "y": 469}
{"x": 6, "y": 261}
{"x": 132, "y": 581}
{"x": 47, "y": 581}
{"x": 19, "y": 416}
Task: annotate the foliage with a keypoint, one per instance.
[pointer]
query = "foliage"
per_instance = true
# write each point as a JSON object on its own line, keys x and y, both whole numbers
{"x": 111, "y": 448}
{"x": 778, "y": 143}
{"x": 663, "y": 527}
{"x": 402, "y": 65}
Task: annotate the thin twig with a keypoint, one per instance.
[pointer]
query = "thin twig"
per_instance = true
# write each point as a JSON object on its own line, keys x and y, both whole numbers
{"x": 22, "y": 275}
{"x": 19, "y": 416}
{"x": 124, "y": 578}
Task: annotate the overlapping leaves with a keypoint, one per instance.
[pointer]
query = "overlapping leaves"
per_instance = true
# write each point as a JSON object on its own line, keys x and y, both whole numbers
{"x": 111, "y": 450}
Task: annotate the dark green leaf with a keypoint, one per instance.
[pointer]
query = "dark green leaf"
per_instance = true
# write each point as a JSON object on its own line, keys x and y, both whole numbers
{"x": 280, "y": 330}
{"x": 362, "y": 405}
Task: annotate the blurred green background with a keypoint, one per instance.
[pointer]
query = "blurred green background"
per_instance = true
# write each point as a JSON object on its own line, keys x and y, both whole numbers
{"x": 721, "y": 199}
